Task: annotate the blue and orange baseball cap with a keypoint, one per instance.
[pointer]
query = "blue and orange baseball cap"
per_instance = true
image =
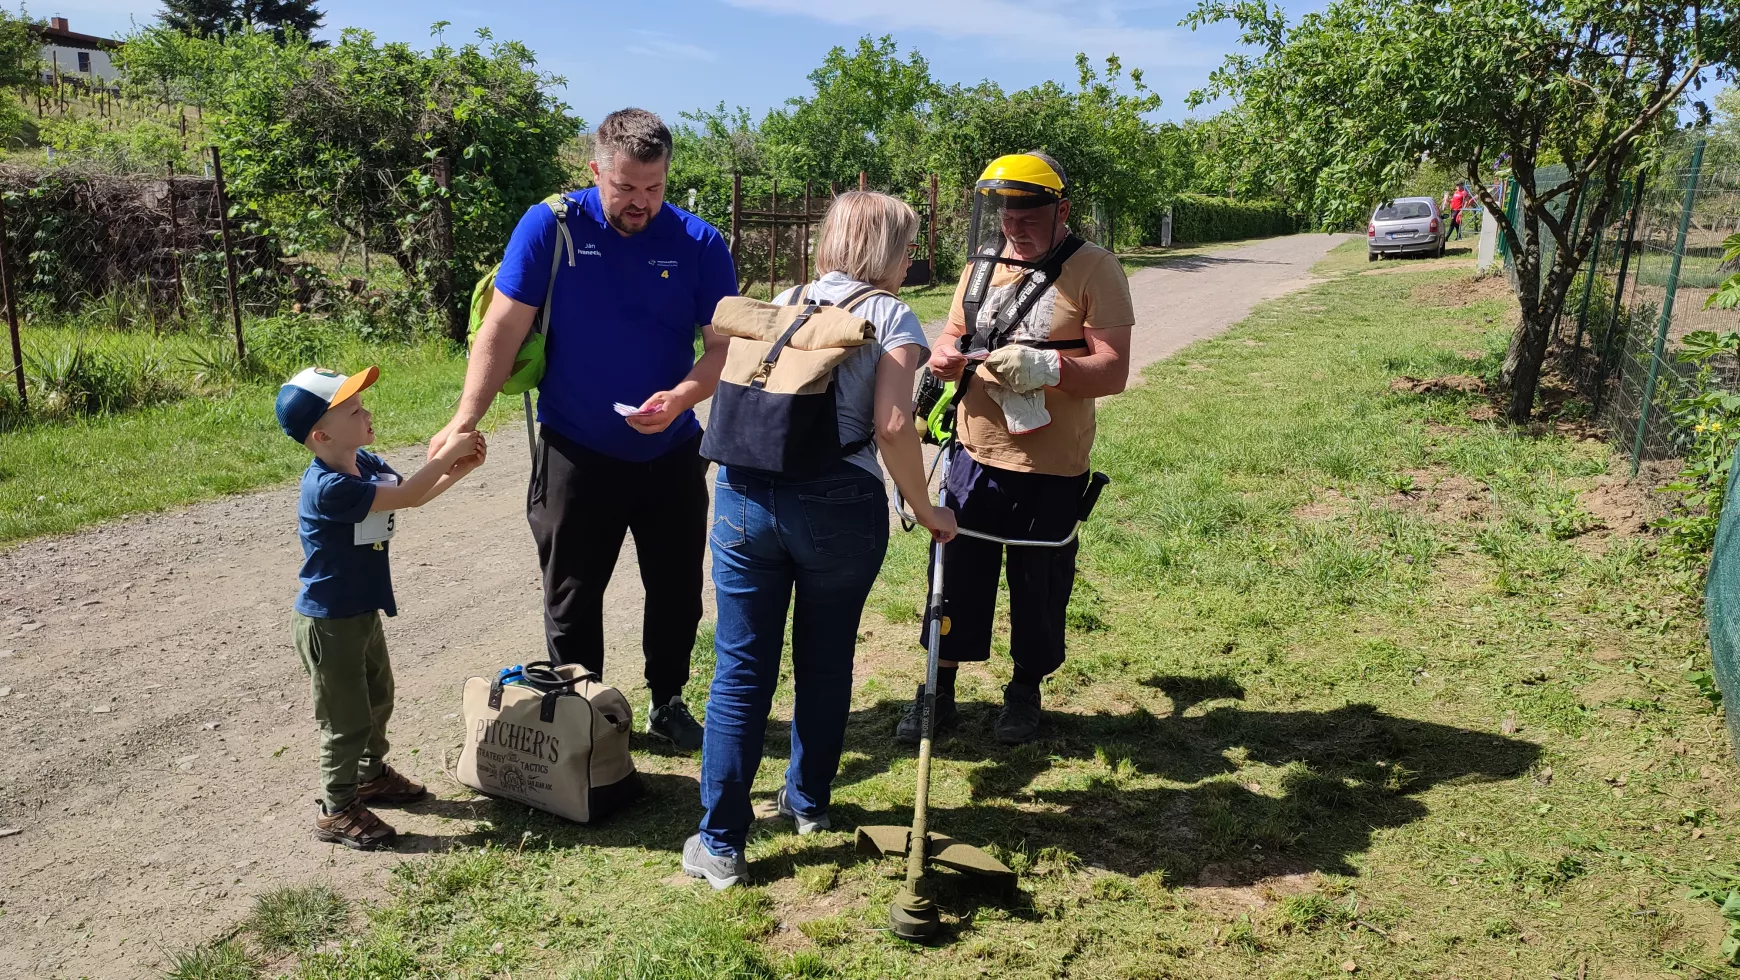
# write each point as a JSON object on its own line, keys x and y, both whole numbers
{"x": 305, "y": 398}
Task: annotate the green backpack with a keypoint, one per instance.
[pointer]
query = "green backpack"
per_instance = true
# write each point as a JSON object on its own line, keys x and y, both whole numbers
{"x": 529, "y": 361}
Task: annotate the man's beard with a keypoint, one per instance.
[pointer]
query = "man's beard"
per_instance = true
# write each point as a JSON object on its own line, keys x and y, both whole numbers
{"x": 615, "y": 220}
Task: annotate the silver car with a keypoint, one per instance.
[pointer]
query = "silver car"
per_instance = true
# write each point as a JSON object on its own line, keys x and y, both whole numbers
{"x": 1405, "y": 226}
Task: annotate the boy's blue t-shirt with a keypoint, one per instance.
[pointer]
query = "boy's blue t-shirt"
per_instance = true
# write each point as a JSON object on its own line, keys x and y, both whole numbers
{"x": 623, "y": 319}
{"x": 340, "y": 576}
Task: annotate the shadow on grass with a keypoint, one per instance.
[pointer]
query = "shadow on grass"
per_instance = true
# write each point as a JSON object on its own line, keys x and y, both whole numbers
{"x": 1192, "y": 263}
{"x": 1345, "y": 773}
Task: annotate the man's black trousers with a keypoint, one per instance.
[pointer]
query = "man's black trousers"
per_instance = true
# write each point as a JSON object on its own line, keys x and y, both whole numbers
{"x": 580, "y": 504}
{"x": 1030, "y": 506}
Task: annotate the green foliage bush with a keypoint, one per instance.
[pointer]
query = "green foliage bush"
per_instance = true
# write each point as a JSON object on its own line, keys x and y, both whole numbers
{"x": 1199, "y": 218}
{"x": 345, "y": 137}
{"x": 1708, "y": 412}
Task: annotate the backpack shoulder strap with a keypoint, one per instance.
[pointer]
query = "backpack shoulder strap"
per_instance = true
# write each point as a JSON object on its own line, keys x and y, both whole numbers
{"x": 860, "y": 295}
{"x": 559, "y": 206}
{"x": 797, "y": 298}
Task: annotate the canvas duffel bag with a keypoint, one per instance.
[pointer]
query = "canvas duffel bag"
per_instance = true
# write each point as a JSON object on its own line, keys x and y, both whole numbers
{"x": 557, "y": 742}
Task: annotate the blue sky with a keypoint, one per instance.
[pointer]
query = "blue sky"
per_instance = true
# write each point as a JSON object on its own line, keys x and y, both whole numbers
{"x": 685, "y": 54}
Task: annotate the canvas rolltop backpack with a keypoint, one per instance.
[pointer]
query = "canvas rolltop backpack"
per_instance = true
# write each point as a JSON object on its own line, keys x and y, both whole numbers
{"x": 774, "y": 410}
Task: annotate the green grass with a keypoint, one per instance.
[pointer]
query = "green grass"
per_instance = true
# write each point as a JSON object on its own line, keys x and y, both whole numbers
{"x": 296, "y": 918}
{"x": 1313, "y": 714}
{"x": 57, "y": 476}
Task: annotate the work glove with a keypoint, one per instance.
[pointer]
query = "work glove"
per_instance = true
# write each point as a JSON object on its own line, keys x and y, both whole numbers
{"x": 1023, "y": 411}
{"x": 1023, "y": 369}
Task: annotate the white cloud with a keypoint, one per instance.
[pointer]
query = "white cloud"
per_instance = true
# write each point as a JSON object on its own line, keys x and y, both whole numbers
{"x": 1031, "y": 28}
{"x": 656, "y": 44}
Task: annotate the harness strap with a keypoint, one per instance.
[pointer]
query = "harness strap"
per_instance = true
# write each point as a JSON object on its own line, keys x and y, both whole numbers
{"x": 1028, "y": 289}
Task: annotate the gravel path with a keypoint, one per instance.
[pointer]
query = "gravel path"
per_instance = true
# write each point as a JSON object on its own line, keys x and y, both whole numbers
{"x": 160, "y": 754}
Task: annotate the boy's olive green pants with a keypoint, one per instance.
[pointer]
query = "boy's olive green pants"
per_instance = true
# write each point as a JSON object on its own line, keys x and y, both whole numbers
{"x": 352, "y": 683}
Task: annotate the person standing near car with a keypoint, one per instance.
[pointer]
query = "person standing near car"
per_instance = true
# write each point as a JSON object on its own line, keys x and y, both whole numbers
{"x": 635, "y": 279}
{"x": 1458, "y": 200}
{"x": 1026, "y": 423}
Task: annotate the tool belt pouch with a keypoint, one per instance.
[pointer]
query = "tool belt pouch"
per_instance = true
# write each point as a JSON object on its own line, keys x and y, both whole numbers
{"x": 558, "y": 742}
{"x": 774, "y": 409}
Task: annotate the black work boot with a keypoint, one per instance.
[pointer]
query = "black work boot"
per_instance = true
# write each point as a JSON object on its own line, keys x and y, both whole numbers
{"x": 911, "y": 728}
{"x": 1018, "y": 722}
{"x": 673, "y": 723}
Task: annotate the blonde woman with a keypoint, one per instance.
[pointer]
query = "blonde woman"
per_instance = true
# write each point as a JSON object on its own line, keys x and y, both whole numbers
{"x": 822, "y": 538}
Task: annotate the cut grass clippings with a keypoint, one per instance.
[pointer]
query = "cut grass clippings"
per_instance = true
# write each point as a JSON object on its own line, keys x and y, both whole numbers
{"x": 1339, "y": 699}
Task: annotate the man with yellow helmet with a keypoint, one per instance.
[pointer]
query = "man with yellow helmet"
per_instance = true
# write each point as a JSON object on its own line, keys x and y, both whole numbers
{"x": 1050, "y": 316}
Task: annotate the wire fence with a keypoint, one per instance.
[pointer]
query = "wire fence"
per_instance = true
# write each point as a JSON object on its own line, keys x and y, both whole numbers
{"x": 92, "y": 255}
{"x": 1644, "y": 288}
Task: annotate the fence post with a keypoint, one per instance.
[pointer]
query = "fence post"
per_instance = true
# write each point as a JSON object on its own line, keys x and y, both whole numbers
{"x": 772, "y": 239}
{"x": 863, "y": 181}
{"x": 174, "y": 237}
{"x": 223, "y": 201}
{"x": 456, "y": 319}
{"x": 1588, "y": 286}
{"x": 806, "y": 232}
{"x": 11, "y": 308}
{"x": 1605, "y": 357}
{"x": 736, "y": 208}
{"x": 1667, "y": 304}
{"x": 931, "y": 234}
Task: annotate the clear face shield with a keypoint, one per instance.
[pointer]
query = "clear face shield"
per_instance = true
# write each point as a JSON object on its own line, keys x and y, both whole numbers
{"x": 1015, "y": 224}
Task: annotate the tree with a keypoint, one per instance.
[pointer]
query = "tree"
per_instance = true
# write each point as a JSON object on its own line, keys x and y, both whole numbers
{"x": 1100, "y": 134}
{"x": 344, "y": 136}
{"x": 864, "y": 116}
{"x": 1343, "y": 105}
{"x": 219, "y": 18}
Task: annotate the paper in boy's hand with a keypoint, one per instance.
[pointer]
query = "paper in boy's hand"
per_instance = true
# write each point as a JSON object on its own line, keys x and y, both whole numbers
{"x": 630, "y": 410}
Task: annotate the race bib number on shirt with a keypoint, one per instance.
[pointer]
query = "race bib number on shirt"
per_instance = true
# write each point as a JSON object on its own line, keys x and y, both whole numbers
{"x": 378, "y": 527}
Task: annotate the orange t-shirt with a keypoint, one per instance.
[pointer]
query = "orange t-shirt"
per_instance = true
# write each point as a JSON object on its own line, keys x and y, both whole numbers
{"x": 1091, "y": 291}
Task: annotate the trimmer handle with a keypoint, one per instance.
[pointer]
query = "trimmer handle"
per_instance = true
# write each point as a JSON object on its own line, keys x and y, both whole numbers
{"x": 1096, "y": 483}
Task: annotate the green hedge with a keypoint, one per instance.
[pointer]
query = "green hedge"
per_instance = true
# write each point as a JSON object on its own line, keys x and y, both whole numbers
{"x": 1199, "y": 218}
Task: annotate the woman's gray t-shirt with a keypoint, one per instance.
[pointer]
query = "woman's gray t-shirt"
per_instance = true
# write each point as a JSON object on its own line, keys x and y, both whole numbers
{"x": 855, "y": 378}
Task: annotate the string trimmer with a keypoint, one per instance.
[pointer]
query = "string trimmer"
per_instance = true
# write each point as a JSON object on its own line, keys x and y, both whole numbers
{"x": 913, "y": 915}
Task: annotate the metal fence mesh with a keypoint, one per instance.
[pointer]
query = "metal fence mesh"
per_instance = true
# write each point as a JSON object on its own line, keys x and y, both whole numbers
{"x": 1645, "y": 287}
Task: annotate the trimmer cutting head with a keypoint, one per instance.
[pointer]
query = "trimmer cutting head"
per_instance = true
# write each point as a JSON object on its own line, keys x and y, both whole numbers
{"x": 942, "y": 851}
{"x": 912, "y": 915}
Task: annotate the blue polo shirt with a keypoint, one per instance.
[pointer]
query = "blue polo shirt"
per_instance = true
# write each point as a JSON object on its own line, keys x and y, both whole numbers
{"x": 340, "y": 576}
{"x": 623, "y": 319}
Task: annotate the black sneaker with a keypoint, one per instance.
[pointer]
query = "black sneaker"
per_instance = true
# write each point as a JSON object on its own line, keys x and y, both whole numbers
{"x": 910, "y": 731}
{"x": 1018, "y": 723}
{"x": 673, "y": 723}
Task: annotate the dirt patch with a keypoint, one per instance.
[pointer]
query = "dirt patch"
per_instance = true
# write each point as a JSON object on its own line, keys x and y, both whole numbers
{"x": 1623, "y": 507}
{"x": 1213, "y": 889}
{"x": 1446, "y": 496}
{"x": 1325, "y": 505}
{"x": 1435, "y": 493}
{"x": 1457, "y": 383}
{"x": 1460, "y": 292}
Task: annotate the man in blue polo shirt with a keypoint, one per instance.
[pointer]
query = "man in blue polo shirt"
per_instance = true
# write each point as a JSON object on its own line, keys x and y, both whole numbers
{"x": 640, "y": 278}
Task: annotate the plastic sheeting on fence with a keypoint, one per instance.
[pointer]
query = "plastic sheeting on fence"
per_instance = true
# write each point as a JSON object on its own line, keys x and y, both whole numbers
{"x": 1722, "y": 609}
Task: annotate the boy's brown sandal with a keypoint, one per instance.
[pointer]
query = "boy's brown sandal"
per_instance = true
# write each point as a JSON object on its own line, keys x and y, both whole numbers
{"x": 391, "y": 787}
{"x": 354, "y": 827}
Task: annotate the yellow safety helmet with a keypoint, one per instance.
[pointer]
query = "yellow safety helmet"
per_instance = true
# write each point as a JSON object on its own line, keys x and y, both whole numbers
{"x": 1022, "y": 180}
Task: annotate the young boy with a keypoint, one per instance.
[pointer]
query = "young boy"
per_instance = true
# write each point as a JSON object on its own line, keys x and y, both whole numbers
{"x": 346, "y": 516}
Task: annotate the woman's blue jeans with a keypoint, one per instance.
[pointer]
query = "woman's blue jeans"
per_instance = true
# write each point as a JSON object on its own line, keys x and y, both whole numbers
{"x": 823, "y": 537}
